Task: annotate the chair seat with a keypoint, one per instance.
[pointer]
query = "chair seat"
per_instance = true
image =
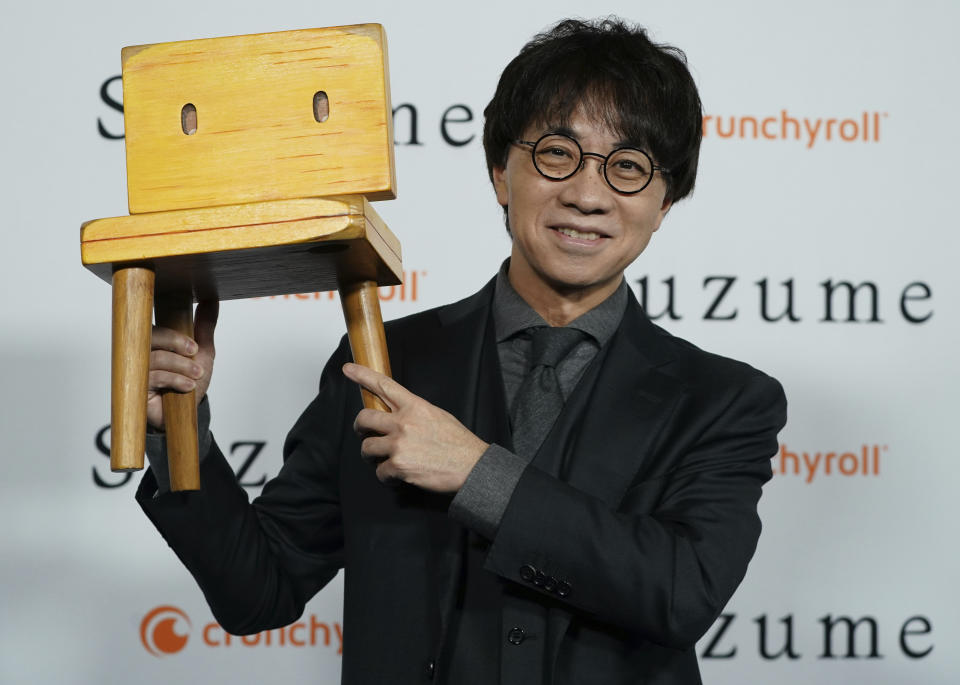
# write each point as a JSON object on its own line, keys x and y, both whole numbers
{"x": 250, "y": 250}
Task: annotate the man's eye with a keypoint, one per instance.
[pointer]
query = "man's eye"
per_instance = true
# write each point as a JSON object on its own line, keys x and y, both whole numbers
{"x": 557, "y": 152}
{"x": 628, "y": 167}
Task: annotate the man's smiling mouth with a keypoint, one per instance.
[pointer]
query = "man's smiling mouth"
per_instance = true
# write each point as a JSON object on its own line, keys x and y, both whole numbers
{"x": 579, "y": 235}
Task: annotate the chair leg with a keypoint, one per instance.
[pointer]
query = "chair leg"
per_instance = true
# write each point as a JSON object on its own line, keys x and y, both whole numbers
{"x": 130, "y": 364}
{"x": 175, "y": 310}
{"x": 368, "y": 343}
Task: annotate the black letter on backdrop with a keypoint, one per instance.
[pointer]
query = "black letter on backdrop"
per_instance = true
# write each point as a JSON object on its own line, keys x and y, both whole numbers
{"x": 642, "y": 282}
{"x": 728, "y": 282}
{"x": 787, "y": 648}
{"x": 413, "y": 124}
{"x": 904, "y": 632}
{"x": 828, "y": 624}
{"x": 724, "y": 621}
{"x": 907, "y": 296}
{"x": 104, "y": 449}
{"x": 763, "y": 302}
{"x": 256, "y": 447}
{"x": 446, "y": 119}
{"x": 112, "y": 104}
{"x": 829, "y": 287}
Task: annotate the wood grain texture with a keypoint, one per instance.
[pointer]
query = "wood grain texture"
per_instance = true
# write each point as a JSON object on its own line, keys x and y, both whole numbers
{"x": 257, "y": 138}
{"x": 254, "y": 250}
{"x": 175, "y": 310}
{"x": 368, "y": 342}
{"x": 130, "y": 361}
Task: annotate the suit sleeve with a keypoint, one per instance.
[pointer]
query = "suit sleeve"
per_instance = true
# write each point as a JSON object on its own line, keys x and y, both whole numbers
{"x": 259, "y": 563}
{"x": 665, "y": 561}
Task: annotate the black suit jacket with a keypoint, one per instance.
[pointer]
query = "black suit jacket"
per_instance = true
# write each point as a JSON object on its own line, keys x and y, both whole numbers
{"x": 649, "y": 523}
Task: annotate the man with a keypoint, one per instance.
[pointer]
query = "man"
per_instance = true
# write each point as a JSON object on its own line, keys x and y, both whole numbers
{"x": 562, "y": 492}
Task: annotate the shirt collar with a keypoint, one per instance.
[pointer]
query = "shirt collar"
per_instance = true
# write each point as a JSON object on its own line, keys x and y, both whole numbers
{"x": 512, "y": 314}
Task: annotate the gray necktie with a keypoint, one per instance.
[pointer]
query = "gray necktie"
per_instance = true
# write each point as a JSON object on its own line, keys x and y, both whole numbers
{"x": 539, "y": 399}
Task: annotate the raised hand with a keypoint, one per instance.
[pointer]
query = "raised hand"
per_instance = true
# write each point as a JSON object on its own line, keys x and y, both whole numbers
{"x": 416, "y": 442}
{"x": 179, "y": 363}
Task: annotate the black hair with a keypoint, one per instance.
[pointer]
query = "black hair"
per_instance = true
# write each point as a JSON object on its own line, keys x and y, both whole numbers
{"x": 638, "y": 89}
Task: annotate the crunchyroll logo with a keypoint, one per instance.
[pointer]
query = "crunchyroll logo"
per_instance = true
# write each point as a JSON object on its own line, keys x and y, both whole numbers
{"x": 157, "y": 631}
{"x": 166, "y": 629}
{"x": 864, "y": 127}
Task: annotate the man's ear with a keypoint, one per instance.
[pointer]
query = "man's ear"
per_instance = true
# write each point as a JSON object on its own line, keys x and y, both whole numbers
{"x": 499, "y": 176}
{"x": 664, "y": 208}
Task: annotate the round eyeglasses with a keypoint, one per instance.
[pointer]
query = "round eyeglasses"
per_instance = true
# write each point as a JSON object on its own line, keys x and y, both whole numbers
{"x": 627, "y": 170}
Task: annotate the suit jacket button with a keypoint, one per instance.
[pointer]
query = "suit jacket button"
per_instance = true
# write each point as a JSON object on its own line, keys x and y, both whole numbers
{"x": 527, "y": 572}
{"x": 540, "y": 579}
{"x": 430, "y": 669}
{"x": 516, "y": 636}
{"x": 564, "y": 589}
{"x": 550, "y": 585}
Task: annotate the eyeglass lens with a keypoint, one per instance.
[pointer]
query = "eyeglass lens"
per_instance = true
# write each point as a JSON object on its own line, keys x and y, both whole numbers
{"x": 558, "y": 156}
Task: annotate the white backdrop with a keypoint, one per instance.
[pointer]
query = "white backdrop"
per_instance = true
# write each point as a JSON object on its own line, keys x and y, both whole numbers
{"x": 82, "y": 570}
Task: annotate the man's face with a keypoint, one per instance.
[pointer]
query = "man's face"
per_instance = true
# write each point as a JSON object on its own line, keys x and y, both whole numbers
{"x": 574, "y": 237}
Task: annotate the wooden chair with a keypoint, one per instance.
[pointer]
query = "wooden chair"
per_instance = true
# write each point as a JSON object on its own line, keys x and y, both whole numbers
{"x": 251, "y": 161}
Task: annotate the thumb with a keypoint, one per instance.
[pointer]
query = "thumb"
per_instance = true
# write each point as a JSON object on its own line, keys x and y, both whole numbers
{"x": 205, "y": 321}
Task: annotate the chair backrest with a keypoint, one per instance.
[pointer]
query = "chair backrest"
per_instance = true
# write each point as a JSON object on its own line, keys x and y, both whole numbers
{"x": 271, "y": 116}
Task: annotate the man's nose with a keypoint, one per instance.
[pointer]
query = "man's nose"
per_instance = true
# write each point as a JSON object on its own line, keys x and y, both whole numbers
{"x": 587, "y": 189}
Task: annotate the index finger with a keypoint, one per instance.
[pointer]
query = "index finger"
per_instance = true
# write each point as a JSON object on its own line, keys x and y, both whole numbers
{"x": 384, "y": 387}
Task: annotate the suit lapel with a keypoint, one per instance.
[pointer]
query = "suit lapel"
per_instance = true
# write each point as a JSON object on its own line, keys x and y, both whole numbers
{"x": 607, "y": 434}
{"x": 458, "y": 370}
{"x": 447, "y": 361}
{"x": 618, "y": 421}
